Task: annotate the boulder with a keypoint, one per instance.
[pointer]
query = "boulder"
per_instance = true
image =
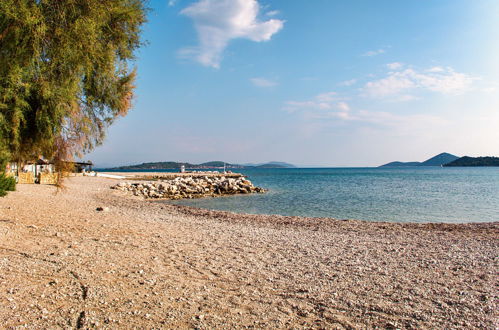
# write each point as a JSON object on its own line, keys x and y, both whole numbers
{"x": 189, "y": 187}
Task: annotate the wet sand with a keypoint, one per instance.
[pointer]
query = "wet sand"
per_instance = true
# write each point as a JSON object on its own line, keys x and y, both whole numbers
{"x": 151, "y": 265}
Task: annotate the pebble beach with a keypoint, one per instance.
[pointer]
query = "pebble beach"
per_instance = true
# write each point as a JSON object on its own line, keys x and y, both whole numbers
{"x": 139, "y": 263}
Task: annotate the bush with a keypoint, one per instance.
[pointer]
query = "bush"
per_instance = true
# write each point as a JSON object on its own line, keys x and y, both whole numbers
{"x": 7, "y": 183}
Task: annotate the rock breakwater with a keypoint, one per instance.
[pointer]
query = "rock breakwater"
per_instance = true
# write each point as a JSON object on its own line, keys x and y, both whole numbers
{"x": 190, "y": 187}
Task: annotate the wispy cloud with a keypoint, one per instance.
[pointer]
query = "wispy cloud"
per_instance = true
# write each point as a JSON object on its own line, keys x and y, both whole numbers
{"x": 330, "y": 106}
{"x": 343, "y": 106}
{"x": 294, "y": 106}
{"x": 401, "y": 122}
{"x": 394, "y": 66}
{"x": 374, "y": 52}
{"x": 273, "y": 13}
{"x": 263, "y": 82}
{"x": 348, "y": 82}
{"x": 401, "y": 84}
{"x": 217, "y": 22}
{"x": 325, "y": 105}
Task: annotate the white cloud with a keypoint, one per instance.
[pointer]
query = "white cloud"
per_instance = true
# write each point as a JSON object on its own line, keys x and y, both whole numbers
{"x": 393, "y": 84}
{"x": 172, "y": 3}
{"x": 436, "y": 69}
{"x": 399, "y": 124}
{"x": 326, "y": 97}
{"x": 394, "y": 66}
{"x": 374, "y": 52}
{"x": 399, "y": 85}
{"x": 273, "y": 13}
{"x": 217, "y": 22}
{"x": 331, "y": 107}
{"x": 343, "y": 106}
{"x": 263, "y": 82}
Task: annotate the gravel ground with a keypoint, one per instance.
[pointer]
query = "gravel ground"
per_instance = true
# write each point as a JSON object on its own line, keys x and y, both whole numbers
{"x": 144, "y": 264}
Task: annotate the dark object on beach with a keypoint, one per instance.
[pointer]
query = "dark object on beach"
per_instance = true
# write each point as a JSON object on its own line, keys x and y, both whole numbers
{"x": 474, "y": 161}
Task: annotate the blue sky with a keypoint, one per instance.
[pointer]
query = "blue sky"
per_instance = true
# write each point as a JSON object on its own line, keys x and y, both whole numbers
{"x": 314, "y": 83}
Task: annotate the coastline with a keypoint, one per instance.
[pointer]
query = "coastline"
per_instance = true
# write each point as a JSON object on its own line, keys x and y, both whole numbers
{"x": 146, "y": 264}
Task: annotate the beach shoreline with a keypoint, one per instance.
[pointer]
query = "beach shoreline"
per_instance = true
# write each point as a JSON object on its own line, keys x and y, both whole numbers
{"x": 148, "y": 264}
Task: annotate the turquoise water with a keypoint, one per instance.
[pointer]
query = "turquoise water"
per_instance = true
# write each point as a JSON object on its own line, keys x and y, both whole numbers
{"x": 413, "y": 194}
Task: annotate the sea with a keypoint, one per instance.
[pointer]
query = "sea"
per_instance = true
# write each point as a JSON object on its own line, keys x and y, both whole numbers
{"x": 412, "y": 194}
{"x": 408, "y": 194}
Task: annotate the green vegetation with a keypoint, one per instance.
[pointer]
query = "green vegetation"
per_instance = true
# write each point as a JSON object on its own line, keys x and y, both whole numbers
{"x": 475, "y": 161}
{"x": 401, "y": 164}
{"x": 175, "y": 165}
{"x": 439, "y": 159}
{"x": 154, "y": 166}
{"x": 65, "y": 74}
{"x": 276, "y": 165}
{"x": 207, "y": 165}
{"x": 6, "y": 184}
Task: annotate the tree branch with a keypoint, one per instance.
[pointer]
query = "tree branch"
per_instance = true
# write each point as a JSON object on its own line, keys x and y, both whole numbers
{"x": 6, "y": 31}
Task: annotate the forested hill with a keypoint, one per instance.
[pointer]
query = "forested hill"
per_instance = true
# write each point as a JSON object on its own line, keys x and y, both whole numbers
{"x": 437, "y": 160}
{"x": 207, "y": 165}
{"x": 474, "y": 161}
{"x": 400, "y": 164}
{"x": 175, "y": 165}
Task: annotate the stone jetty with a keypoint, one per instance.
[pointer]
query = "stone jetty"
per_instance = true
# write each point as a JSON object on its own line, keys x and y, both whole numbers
{"x": 190, "y": 187}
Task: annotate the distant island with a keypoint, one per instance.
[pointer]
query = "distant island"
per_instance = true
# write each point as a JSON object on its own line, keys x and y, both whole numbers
{"x": 270, "y": 165}
{"x": 207, "y": 165}
{"x": 401, "y": 164}
{"x": 438, "y": 160}
{"x": 474, "y": 161}
{"x": 446, "y": 159}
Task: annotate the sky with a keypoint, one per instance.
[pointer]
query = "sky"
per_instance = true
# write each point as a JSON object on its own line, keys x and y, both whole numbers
{"x": 312, "y": 83}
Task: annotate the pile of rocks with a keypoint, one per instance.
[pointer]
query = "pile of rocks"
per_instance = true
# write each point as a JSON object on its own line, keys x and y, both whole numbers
{"x": 190, "y": 187}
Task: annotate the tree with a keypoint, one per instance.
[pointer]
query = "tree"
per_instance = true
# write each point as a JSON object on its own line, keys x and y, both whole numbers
{"x": 65, "y": 73}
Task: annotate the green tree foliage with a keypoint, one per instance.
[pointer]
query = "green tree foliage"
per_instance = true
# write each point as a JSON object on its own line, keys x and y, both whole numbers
{"x": 6, "y": 184}
{"x": 65, "y": 73}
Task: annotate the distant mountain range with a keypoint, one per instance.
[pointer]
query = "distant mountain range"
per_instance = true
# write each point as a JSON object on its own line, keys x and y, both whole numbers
{"x": 270, "y": 165}
{"x": 401, "y": 164}
{"x": 207, "y": 165}
{"x": 438, "y": 160}
{"x": 474, "y": 161}
{"x": 445, "y": 159}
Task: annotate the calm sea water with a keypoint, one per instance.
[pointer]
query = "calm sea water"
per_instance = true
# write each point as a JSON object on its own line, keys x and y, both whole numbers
{"x": 415, "y": 194}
